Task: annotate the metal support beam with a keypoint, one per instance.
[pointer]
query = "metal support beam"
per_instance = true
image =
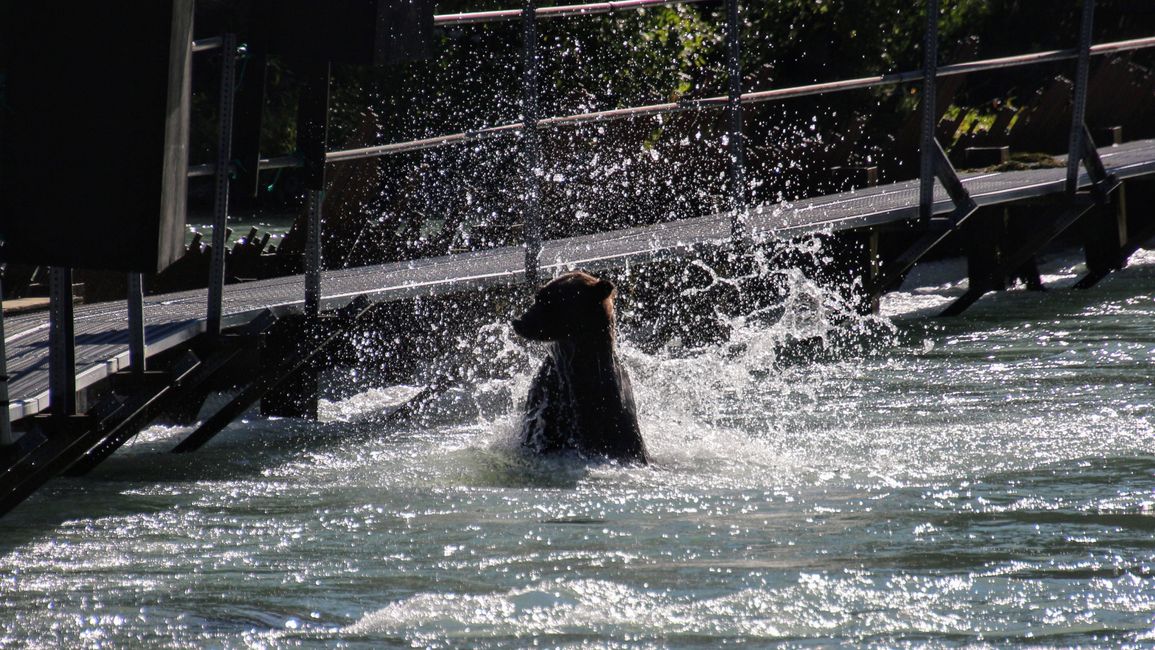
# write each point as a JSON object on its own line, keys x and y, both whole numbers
{"x": 1104, "y": 232}
{"x": 6, "y": 438}
{"x": 137, "y": 345}
{"x": 738, "y": 229}
{"x": 61, "y": 344}
{"x": 312, "y": 141}
{"x": 338, "y": 329}
{"x": 313, "y": 262}
{"x": 1078, "y": 138}
{"x": 216, "y": 287}
{"x": 1039, "y": 238}
{"x": 929, "y": 112}
{"x": 531, "y": 140}
{"x": 938, "y": 227}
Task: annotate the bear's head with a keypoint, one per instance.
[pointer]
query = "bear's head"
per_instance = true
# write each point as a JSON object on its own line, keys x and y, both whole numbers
{"x": 574, "y": 305}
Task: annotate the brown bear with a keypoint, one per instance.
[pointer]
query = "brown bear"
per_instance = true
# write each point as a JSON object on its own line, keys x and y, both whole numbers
{"x": 581, "y": 399}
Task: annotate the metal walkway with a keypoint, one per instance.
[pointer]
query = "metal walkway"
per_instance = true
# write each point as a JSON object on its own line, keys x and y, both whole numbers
{"x": 173, "y": 319}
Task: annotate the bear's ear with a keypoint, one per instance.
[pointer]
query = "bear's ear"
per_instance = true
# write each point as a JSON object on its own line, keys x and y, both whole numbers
{"x": 604, "y": 289}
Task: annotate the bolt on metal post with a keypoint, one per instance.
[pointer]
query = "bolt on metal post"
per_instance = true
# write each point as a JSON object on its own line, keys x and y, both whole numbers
{"x": 929, "y": 113}
{"x": 739, "y": 229}
{"x": 531, "y": 141}
{"x": 1076, "y": 141}
{"x": 221, "y": 197}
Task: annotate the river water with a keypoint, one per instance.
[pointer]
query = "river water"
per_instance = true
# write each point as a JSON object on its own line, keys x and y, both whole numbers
{"x": 984, "y": 480}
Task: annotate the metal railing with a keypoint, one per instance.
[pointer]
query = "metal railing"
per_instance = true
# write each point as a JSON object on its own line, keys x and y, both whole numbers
{"x": 589, "y": 9}
{"x": 532, "y": 123}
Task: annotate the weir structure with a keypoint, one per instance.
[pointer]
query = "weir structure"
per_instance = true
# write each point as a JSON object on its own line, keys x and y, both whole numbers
{"x": 77, "y": 383}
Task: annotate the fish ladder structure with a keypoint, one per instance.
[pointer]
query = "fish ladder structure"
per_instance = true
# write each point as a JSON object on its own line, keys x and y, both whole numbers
{"x": 79, "y": 381}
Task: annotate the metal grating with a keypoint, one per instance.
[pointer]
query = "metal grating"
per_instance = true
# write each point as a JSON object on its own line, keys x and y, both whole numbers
{"x": 172, "y": 319}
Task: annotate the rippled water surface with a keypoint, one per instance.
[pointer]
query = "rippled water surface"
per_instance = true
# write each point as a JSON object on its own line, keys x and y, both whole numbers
{"x": 983, "y": 480}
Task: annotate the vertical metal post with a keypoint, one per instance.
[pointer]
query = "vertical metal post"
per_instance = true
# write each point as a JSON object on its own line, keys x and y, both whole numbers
{"x": 531, "y": 141}
{"x": 738, "y": 229}
{"x": 137, "y": 357}
{"x": 1079, "y": 105}
{"x": 316, "y": 200}
{"x": 6, "y": 438}
{"x": 929, "y": 112}
{"x": 221, "y": 199}
{"x": 61, "y": 344}
{"x": 312, "y": 142}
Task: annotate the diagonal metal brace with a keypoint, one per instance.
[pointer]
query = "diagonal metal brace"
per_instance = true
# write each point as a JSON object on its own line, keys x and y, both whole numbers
{"x": 345, "y": 319}
{"x": 1102, "y": 182}
{"x": 937, "y": 227}
{"x": 964, "y": 205}
{"x": 1079, "y": 206}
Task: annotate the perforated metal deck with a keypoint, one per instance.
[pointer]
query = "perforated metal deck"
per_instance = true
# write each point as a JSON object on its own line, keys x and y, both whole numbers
{"x": 171, "y": 319}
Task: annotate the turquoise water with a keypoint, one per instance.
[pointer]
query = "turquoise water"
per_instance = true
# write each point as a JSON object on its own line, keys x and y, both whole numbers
{"x": 981, "y": 481}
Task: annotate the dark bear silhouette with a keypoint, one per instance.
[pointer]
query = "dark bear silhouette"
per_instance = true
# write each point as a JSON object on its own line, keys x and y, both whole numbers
{"x": 581, "y": 399}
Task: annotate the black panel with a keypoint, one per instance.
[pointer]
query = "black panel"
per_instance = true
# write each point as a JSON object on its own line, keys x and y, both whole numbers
{"x": 358, "y": 32}
{"x": 93, "y": 153}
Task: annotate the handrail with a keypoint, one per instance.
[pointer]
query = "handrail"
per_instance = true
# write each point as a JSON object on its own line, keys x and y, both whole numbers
{"x": 888, "y": 79}
{"x": 588, "y": 9}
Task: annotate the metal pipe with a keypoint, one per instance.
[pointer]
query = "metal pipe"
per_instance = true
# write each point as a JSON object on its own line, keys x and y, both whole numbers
{"x": 287, "y": 161}
{"x": 206, "y": 44}
{"x": 929, "y": 114}
{"x": 588, "y": 9}
{"x": 738, "y": 231}
{"x": 316, "y": 200}
{"x": 531, "y": 141}
{"x": 778, "y": 94}
{"x": 1079, "y": 106}
{"x": 227, "y": 99}
{"x": 61, "y": 344}
{"x": 137, "y": 345}
{"x": 6, "y": 438}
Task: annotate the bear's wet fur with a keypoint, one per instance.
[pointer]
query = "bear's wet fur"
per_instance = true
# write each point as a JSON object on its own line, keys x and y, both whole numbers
{"x": 581, "y": 399}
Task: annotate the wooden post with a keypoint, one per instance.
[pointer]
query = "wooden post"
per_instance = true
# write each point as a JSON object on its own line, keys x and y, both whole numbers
{"x": 984, "y": 235}
{"x": 137, "y": 345}
{"x": 1104, "y": 234}
{"x": 866, "y": 266}
{"x": 62, "y": 344}
{"x": 297, "y": 396}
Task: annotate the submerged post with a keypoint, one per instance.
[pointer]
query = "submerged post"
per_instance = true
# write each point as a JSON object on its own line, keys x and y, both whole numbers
{"x": 6, "y": 438}
{"x": 61, "y": 344}
{"x": 927, "y": 144}
{"x": 531, "y": 140}
{"x": 1077, "y": 142}
{"x": 737, "y": 144}
{"x": 137, "y": 357}
{"x": 221, "y": 198}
